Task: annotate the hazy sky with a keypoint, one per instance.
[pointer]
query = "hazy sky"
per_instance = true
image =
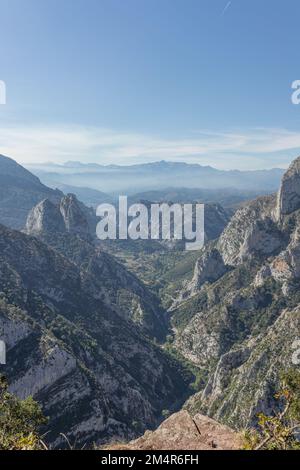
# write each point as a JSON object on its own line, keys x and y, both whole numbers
{"x": 126, "y": 81}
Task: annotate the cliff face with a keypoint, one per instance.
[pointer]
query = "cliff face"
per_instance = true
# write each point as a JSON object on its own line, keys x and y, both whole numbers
{"x": 239, "y": 317}
{"x": 45, "y": 217}
{"x": 65, "y": 228}
{"x": 245, "y": 379}
{"x": 94, "y": 372}
{"x": 288, "y": 198}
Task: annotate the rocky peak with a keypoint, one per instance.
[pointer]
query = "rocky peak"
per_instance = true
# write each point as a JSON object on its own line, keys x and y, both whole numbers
{"x": 209, "y": 268}
{"x": 68, "y": 216}
{"x": 45, "y": 217}
{"x": 288, "y": 199}
{"x": 251, "y": 232}
{"x": 74, "y": 218}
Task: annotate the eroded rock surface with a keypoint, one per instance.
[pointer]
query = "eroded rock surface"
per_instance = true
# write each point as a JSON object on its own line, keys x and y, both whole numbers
{"x": 182, "y": 431}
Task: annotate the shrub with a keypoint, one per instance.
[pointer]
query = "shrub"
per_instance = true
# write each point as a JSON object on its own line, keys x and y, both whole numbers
{"x": 19, "y": 421}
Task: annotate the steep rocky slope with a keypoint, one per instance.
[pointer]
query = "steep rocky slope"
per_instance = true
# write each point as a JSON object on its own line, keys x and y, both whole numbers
{"x": 19, "y": 192}
{"x": 96, "y": 375}
{"x": 245, "y": 379}
{"x": 65, "y": 228}
{"x": 238, "y": 319}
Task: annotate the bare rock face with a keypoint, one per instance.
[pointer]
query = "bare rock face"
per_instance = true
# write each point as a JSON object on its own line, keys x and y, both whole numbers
{"x": 288, "y": 199}
{"x": 198, "y": 343}
{"x": 74, "y": 218}
{"x": 285, "y": 267}
{"x": 218, "y": 381}
{"x": 262, "y": 238}
{"x": 209, "y": 268}
{"x": 263, "y": 274}
{"x": 181, "y": 431}
{"x": 246, "y": 379}
{"x": 69, "y": 216}
{"x": 250, "y": 232}
{"x": 44, "y": 218}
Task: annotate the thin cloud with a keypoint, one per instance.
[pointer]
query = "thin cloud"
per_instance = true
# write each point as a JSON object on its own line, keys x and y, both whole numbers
{"x": 243, "y": 148}
{"x": 228, "y": 5}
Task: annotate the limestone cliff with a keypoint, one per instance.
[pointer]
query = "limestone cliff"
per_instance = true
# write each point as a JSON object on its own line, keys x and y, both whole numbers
{"x": 238, "y": 324}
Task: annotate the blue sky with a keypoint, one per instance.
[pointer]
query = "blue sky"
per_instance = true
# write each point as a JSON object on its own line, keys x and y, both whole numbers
{"x": 126, "y": 81}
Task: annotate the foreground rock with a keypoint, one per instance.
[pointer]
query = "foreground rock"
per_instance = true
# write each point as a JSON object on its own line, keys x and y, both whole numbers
{"x": 183, "y": 432}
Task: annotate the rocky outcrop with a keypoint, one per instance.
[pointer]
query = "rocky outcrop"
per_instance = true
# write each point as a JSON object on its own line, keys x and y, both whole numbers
{"x": 209, "y": 268}
{"x": 245, "y": 380}
{"x": 182, "y": 431}
{"x": 74, "y": 218}
{"x": 255, "y": 232}
{"x": 251, "y": 232}
{"x": 67, "y": 216}
{"x": 198, "y": 343}
{"x": 284, "y": 268}
{"x": 45, "y": 218}
{"x": 288, "y": 199}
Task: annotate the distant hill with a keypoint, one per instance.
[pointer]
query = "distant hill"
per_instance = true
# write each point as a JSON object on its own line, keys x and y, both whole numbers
{"x": 20, "y": 190}
{"x": 155, "y": 176}
{"x": 227, "y": 197}
{"x": 90, "y": 197}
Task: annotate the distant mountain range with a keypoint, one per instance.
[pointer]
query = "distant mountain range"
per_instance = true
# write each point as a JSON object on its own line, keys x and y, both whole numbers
{"x": 21, "y": 191}
{"x": 227, "y": 197}
{"x": 154, "y": 176}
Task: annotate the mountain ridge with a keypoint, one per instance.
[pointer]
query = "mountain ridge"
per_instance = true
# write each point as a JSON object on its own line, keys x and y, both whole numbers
{"x": 239, "y": 317}
{"x": 152, "y": 176}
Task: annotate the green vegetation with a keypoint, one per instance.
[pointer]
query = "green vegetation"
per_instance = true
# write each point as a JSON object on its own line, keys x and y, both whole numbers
{"x": 162, "y": 271}
{"x": 193, "y": 375}
{"x": 277, "y": 432}
{"x": 19, "y": 421}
